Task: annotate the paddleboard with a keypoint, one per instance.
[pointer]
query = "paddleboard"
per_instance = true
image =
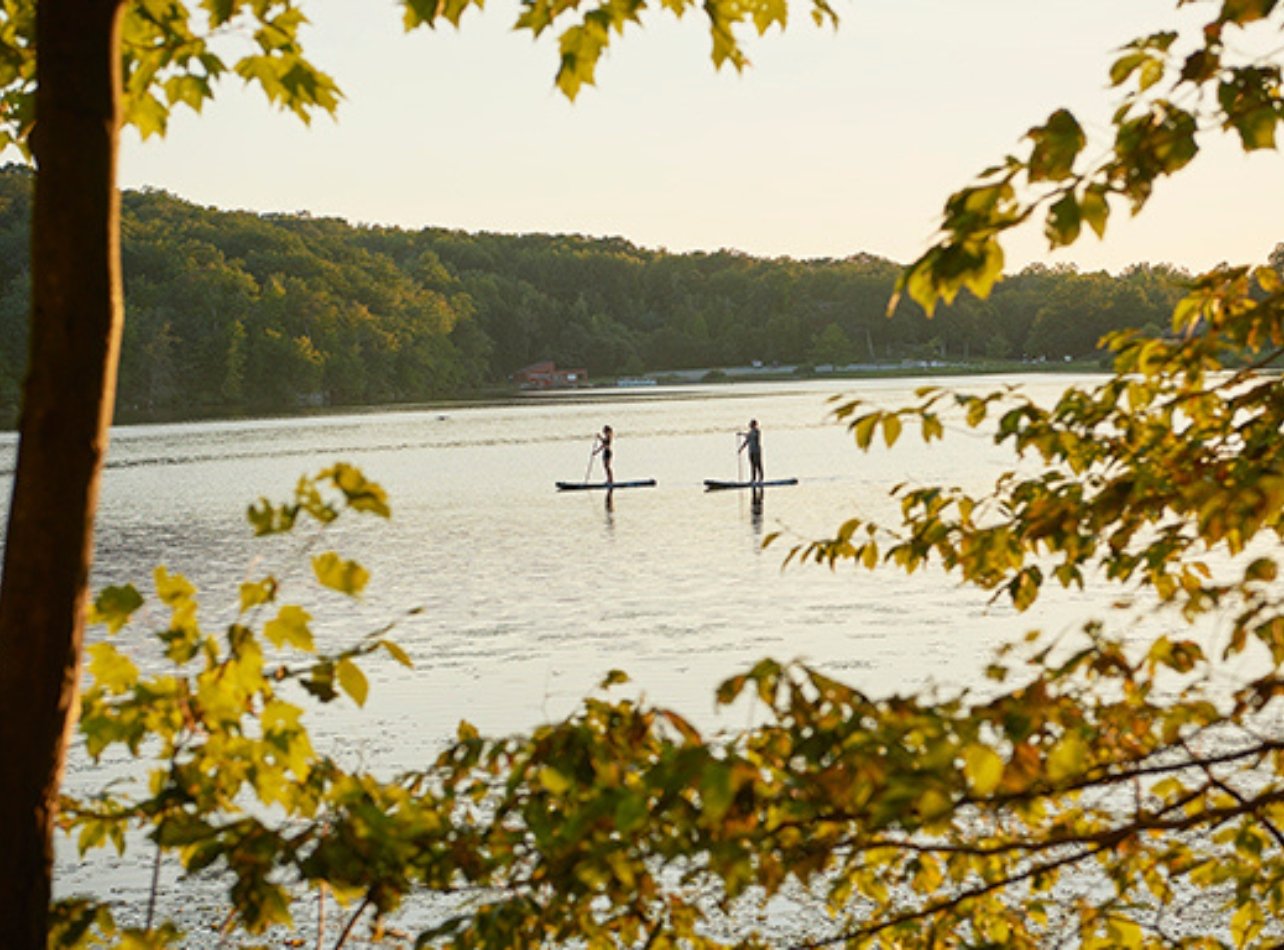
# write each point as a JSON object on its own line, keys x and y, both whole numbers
{"x": 598, "y": 486}
{"x": 712, "y": 484}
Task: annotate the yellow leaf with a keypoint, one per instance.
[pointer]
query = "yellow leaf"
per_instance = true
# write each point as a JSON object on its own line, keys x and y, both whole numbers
{"x": 983, "y": 768}
{"x": 553, "y": 780}
{"x": 255, "y": 593}
{"x": 361, "y": 493}
{"x": 112, "y": 670}
{"x": 1125, "y": 933}
{"x": 869, "y": 555}
{"x": 933, "y": 804}
{"x": 1246, "y": 923}
{"x": 1068, "y": 757}
{"x": 932, "y": 428}
{"x": 863, "y": 429}
{"x": 172, "y": 588}
{"x": 976, "y": 412}
{"x": 347, "y": 577}
{"x": 352, "y": 680}
{"x": 891, "y": 429}
{"x": 290, "y": 626}
{"x": 398, "y": 654}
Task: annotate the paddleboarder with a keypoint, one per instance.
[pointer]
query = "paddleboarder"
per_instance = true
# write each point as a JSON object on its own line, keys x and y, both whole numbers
{"x": 602, "y": 446}
{"x": 752, "y": 440}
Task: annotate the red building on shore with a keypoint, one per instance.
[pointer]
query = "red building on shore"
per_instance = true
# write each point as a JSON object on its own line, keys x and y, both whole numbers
{"x": 546, "y": 375}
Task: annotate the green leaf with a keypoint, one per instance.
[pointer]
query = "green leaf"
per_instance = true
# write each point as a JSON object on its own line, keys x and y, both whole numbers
{"x": 1257, "y": 129}
{"x": 729, "y": 690}
{"x": 1024, "y": 588}
{"x": 1246, "y": 11}
{"x": 114, "y": 606}
{"x": 1057, "y": 144}
{"x": 1063, "y": 221}
{"x": 630, "y": 812}
{"x": 716, "y": 791}
{"x": 1125, "y": 66}
{"x": 1094, "y": 209}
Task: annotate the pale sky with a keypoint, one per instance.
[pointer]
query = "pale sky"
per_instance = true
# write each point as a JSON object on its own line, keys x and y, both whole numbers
{"x": 829, "y": 145}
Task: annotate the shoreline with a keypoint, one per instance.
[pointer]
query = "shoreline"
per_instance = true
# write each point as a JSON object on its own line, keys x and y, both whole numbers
{"x": 651, "y": 384}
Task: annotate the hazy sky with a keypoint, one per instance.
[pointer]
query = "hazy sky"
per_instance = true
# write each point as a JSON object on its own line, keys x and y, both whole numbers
{"x": 829, "y": 145}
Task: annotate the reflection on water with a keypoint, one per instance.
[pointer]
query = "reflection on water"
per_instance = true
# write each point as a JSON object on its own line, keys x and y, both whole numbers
{"x": 528, "y": 595}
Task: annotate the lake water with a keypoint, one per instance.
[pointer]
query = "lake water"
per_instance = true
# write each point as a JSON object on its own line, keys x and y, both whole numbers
{"x": 529, "y": 596}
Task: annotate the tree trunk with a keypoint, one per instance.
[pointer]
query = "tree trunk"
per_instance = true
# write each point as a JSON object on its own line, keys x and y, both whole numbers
{"x": 67, "y": 399}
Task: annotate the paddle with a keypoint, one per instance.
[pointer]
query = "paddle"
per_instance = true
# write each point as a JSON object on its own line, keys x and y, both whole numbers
{"x": 740, "y": 474}
{"x": 592, "y": 452}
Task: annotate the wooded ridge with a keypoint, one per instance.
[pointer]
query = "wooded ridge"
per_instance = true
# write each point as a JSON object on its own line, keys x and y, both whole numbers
{"x": 234, "y": 311}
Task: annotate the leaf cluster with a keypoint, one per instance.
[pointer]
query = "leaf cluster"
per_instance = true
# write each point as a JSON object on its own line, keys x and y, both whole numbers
{"x": 1176, "y": 89}
{"x": 235, "y": 782}
{"x": 1169, "y": 468}
{"x": 175, "y": 53}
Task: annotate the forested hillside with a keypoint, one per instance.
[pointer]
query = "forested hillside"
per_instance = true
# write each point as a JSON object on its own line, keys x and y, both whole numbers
{"x": 230, "y": 311}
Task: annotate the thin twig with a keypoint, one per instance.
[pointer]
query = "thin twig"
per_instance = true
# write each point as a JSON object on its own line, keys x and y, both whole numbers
{"x": 151, "y": 897}
{"x": 1234, "y": 793}
{"x": 655, "y": 932}
{"x": 321, "y": 915}
{"x": 352, "y": 922}
{"x": 225, "y": 928}
{"x": 939, "y": 907}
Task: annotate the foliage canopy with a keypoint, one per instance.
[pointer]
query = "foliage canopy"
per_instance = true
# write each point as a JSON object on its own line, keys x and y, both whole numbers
{"x": 175, "y": 53}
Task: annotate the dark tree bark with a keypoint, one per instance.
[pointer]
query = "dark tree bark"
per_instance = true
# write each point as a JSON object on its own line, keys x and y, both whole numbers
{"x": 67, "y": 400}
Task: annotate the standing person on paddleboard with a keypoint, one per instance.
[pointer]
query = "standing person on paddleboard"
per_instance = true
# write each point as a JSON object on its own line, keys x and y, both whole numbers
{"x": 752, "y": 440}
{"x": 603, "y": 445}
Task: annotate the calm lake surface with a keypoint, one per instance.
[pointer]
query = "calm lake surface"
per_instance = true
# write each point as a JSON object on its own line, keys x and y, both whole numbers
{"x": 529, "y": 596}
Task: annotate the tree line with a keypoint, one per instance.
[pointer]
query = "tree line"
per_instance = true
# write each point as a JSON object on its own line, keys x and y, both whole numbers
{"x": 231, "y": 311}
